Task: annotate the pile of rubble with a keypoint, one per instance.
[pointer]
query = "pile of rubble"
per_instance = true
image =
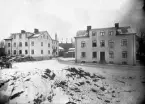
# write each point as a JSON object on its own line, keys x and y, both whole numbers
{"x": 43, "y": 86}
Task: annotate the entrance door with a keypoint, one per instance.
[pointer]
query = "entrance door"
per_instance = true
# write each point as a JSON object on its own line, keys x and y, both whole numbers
{"x": 102, "y": 56}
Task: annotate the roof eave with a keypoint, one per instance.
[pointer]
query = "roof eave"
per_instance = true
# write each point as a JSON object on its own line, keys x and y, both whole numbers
{"x": 7, "y": 39}
{"x": 32, "y": 37}
{"x": 125, "y": 34}
{"x": 82, "y": 37}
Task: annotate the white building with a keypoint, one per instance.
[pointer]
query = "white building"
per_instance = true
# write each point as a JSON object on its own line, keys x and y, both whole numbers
{"x": 37, "y": 44}
{"x": 106, "y": 45}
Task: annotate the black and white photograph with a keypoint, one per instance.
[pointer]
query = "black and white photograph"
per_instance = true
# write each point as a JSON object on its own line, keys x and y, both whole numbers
{"x": 72, "y": 51}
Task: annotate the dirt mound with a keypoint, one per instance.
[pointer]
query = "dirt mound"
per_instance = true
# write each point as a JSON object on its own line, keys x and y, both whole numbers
{"x": 66, "y": 86}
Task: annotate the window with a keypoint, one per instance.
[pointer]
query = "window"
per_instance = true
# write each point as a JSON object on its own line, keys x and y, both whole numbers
{"x": 111, "y": 54}
{"x": 41, "y": 51}
{"x": 111, "y": 62}
{"x": 26, "y": 52}
{"x": 48, "y": 44}
{"x": 48, "y": 51}
{"x": 111, "y": 44}
{"x": 94, "y": 43}
{"x": 124, "y": 63}
{"x": 102, "y": 33}
{"x": 44, "y": 36}
{"x": 9, "y": 52}
{"x": 32, "y": 51}
{"x": 110, "y": 32}
{"x": 20, "y": 36}
{"x": 124, "y": 42}
{"x": 20, "y": 52}
{"x": 9, "y": 44}
{"x": 14, "y": 52}
{"x": 41, "y": 43}
{"x": 102, "y": 43}
{"x": 82, "y": 44}
{"x": 83, "y": 54}
{"x": 14, "y": 36}
{"x": 20, "y": 44}
{"x": 93, "y": 33}
{"x": 26, "y": 35}
{"x": 26, "y": 44}
{"x": 124, "y": 54}
{"x": 14, "y": 44}
{"x": 32, "y": 43}
{"x": 94, "y": 54}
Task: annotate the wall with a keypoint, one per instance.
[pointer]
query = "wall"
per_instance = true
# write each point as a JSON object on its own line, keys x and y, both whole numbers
{"x": 6, "y": 46}
{"x": 37, "y": 45}
{"x": 117, "y": 48}
{"x": 17, "y": 48}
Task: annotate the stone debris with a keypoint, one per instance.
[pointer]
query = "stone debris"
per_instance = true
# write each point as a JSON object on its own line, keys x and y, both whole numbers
{"x": 80, "y": 87}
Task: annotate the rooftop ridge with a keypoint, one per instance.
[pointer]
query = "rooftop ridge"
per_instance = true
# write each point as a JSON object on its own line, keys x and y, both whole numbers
{"x": 105, "y": 28}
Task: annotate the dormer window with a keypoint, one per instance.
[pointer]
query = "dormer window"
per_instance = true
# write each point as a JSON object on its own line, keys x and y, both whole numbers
{"x": 102, "y": 33}
{"x": 14, "y": 36}
{"x": 110, "y": 33}
{"x": 93, "y": 33}
{"x": 20, "y": 36}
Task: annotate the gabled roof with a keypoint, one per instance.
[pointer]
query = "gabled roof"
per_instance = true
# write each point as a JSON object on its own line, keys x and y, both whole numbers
{"x": 9, "y": 38}
{"x": 36, "y": 35}
{"x": 31, "y": 35}
{"x": 60, "y": 48}
{"x": 82, "y": 33}
{"x": 121, "y": 30}
{"x": 124, "y": 31}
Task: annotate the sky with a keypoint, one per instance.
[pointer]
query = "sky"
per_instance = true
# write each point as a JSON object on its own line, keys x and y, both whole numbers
{"x": 64, "y": 17}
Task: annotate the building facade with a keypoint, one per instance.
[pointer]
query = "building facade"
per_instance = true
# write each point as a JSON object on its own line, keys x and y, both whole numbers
{"x": 106, "y": 45}
{"x": 37, "y": 44}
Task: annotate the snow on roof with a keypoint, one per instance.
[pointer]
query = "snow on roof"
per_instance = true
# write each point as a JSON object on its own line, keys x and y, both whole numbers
{"x": 60, "y": 47}
{"x": 71, "y": 48}
{"x": 71, "y": 51}
{"x": 81, "y": 33}
{"x": 121, "y": 30}
{"x": 9, "y": 38}
{"x": 30, "y": 35}
{"x": 40, "y": 33}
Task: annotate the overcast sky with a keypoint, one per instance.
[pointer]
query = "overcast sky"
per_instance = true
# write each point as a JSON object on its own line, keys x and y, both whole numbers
{"x": 64, "y": 17}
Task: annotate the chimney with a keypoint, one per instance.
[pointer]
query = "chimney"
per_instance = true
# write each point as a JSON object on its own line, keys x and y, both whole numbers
{"x": 36, "y": 31}
{"x": 55, "y": 36}
{"x": 22, "y": 31}
{"x": 88, "y": 29}
{"x": 71, "y": 40}
{"x": 116, "y": 25}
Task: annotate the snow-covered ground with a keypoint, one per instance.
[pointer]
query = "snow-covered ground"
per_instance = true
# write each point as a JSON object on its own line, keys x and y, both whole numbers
{"x": 51, "y": 82}
{"x": 67, "y": 59}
